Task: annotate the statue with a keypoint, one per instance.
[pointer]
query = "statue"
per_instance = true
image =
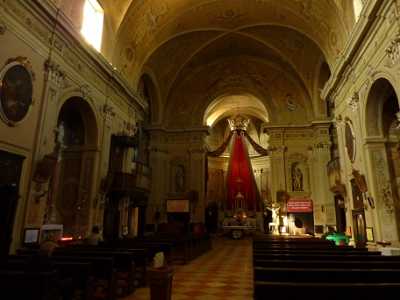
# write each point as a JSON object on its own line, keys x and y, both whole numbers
{"x": 297, "y": 180}
{"x": 60, "y": 136}
{"x": 179, "y": 181}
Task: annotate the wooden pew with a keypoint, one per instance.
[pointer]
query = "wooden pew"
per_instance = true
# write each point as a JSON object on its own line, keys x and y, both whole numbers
{"x": 319, "y": 257}
{"x": 307, "y": 247}
{"x": 18, "y": 285}
{"x": 181, "y": 250}
{"x": 327, "y": 264}
{"x": 326, "y": 291}
{"x": 140, "y": 257}
{"x": 320, "y": 275}
{"x": 314, "y": 252}
{"x": 81, "y": 272}
{"x": 122, "y": 261}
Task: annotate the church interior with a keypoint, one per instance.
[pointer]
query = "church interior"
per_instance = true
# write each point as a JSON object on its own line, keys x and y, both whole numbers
{"x": 227, "y": 117}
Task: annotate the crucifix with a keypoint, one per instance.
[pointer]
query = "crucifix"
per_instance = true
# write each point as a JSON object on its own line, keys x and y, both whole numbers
{"x": 275, "y": 216}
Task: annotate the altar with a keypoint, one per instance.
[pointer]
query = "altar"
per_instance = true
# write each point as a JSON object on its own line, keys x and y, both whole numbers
{"x": 237, "y": 229}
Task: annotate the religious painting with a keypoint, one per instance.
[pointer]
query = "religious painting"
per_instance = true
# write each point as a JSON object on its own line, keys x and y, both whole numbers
{"x": 360, "y": 181}
{"x": 370, "y": 234}
{"x": 44, "y": 169}
{"x": 341, "y": 188}
{"x": 281, "y": 197}
{"x": 350, "y": 141}
{"x": 106, "y": 183}
{"x": 16, "y": 82}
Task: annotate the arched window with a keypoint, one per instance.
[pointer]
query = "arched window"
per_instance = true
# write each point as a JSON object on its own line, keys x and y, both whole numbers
{"x": 92, "y": 26}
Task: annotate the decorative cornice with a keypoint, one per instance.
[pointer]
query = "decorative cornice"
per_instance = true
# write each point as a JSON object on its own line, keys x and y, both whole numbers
{"x": 320, "y": 147}
{"x": 393, "y": 51}
{"x": 3, "y": 27}
{"x": 109, "y": 111}
{"x": 158, "y": 151}
{"x": 86, "y": 92}
{"x": 55, "y": 74}
{"x": 337, "y": 121}
{"x": 352, "y": 101}
{"x": 276, "y": 150}
{"x": 197, "y": 153}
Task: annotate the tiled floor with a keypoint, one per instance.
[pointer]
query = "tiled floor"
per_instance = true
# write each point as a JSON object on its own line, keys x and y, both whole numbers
{"x": 225, "y": 272}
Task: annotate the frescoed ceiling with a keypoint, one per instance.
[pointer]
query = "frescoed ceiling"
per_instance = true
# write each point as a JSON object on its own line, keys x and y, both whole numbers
{"x": 204, "y": 60}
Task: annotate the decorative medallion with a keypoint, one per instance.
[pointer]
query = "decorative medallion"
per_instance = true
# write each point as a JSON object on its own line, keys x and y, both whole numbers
{"x": 16, "y": 82}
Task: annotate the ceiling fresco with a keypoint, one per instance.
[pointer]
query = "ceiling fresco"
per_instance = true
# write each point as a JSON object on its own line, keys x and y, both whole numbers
{"x": 205, "y": 57}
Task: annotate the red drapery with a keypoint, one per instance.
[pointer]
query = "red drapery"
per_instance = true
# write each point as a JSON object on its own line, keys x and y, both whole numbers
{"x": 240, "y": 167}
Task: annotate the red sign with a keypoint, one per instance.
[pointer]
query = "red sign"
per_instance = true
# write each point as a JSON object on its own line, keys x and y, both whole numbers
{"x": 304, "y": 205}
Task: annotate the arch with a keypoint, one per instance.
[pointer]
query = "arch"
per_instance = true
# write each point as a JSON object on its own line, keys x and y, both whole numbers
{"x": 150, "y": 93}
{"x": 87, "y": 109}
{"x": 378, "y": 93}
{"x": 324, "y": 73}
{"x": 73, "y": 184}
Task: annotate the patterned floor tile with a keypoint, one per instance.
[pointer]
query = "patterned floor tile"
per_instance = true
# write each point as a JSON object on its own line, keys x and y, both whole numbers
{"x": 223, "y": 273}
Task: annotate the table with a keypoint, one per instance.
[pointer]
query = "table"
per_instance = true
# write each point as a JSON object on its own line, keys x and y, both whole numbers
{"x": 390, "y": 251}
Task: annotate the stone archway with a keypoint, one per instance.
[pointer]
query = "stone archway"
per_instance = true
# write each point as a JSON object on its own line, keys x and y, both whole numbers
{"x": 381, "y": 129}
{"x": 72, "y": 185}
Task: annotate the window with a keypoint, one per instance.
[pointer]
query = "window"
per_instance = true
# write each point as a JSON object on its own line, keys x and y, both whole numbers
{"x": 92, "y": 26}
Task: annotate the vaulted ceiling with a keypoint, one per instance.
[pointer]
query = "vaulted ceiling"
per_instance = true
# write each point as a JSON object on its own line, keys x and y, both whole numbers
{"x": 202, "y": 61}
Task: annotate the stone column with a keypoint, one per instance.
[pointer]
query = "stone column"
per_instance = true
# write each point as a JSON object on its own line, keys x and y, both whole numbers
{"x": 320, "y": 155}
{"x": 159, "y": 185}
{"x": 197, "y": 180}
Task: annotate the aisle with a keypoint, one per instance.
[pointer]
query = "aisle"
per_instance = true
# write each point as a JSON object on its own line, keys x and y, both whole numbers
{"x": 225, "y": 272}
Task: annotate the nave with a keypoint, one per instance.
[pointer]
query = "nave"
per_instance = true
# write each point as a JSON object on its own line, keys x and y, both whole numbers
{"x": 225, "y": 272}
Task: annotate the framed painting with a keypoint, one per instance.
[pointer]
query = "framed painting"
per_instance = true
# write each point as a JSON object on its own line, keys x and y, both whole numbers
{"x": 281, "y": 197}
{"x": 16, "y": 82}
{"x": 341, "y": 188}
{"x": 359, "y": 179}
{"x": 350, "y": 140}
{"x": 370, "y": 234}
{"x": 44, "y": 169}
{"x": 106, "y": 184}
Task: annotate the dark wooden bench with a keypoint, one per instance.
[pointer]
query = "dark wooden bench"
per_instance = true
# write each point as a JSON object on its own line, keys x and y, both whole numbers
{"x": 140, "y": 257}
{"x": 18, "y": 285}
{"x": 306, "y": 247}
{"x": 303, "y": 275}
{"x": 123, "y": 262}
{"x": 326, "y": 291}
{"x": 315, "y": 252}
{"x": 326, "y": 264}
{"x": 319, "y": 257}
{"x": 290, "y": 240}
{"x": 181, "y": 251}
{"x": 80, "y": 271}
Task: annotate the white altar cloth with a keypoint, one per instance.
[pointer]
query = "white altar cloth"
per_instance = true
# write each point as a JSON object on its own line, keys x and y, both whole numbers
{"x": 390, "y": 251}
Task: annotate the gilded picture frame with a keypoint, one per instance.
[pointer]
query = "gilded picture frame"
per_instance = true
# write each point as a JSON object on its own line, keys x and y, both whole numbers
{"x": 16, "y": 90}
{"x": 359, "y": 179}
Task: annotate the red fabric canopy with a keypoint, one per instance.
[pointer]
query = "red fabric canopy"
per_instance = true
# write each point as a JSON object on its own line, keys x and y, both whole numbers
{"x": 240, "y": 167}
